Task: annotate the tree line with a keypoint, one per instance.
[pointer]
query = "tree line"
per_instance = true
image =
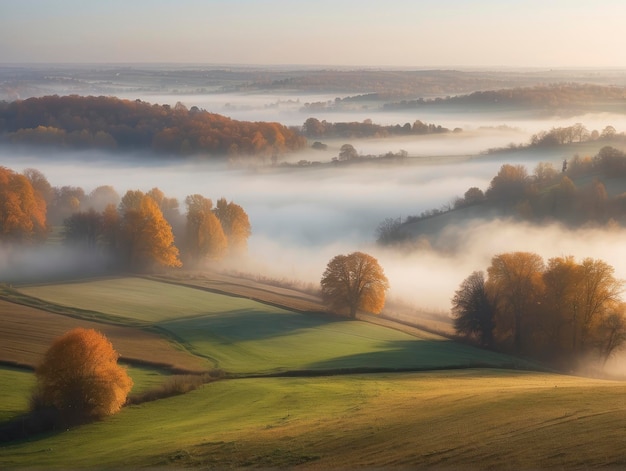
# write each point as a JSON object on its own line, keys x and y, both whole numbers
{"x": 573, "y": 195}
{"x": 562, "y": 311}
{"x": 138, "y": 231}
{"x": 111, "y": 123}
{"x": 543, "y": 97}
{"x": 316, "y": 129}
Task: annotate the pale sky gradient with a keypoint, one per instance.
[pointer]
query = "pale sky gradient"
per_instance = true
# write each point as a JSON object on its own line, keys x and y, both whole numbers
{"x": 404, "y": 33}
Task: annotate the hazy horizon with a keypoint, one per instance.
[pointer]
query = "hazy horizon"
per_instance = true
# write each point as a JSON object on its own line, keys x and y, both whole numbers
{"x": 444, "y": 33}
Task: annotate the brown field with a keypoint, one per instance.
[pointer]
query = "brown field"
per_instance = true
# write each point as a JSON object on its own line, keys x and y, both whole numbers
{"x": 26, "y": 333}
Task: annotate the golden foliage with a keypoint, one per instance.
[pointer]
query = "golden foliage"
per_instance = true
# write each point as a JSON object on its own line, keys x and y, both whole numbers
{"x": 205, "y": 235}
{"x": 22, "y": 209}
{"x": 355, "y": 281}
{"x": 147, "y": 234}
{"x": 236, "y": 225}
{"x": 80, "y": 377}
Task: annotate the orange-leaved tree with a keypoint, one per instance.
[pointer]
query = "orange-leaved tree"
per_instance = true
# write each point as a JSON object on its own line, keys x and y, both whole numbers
{"x": 22, "y": 209}
{"x": 79, "y": 377}
{"x": 146, "y": 233}
{"x": 236, "y": 225}
{"x": 205, "y": 235}
{"x": 354, "y": 281}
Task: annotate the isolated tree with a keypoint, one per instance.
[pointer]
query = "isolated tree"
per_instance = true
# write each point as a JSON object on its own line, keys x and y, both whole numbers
{"x": 515, "y": 283}
{"x": 347, "y": 152}
{"x": 205, "y": 238}
{"x": 236, "y": 225}
{"x": 352, "y": 282}
{"x": 473, "y": 310}
{"x": 79, "y": 376}
{"x": 146, "y": 234}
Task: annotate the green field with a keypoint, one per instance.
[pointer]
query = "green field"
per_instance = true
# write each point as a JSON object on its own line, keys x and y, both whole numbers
{"x": 471, "y": 413}
{"x": 456, "y": 419}
{"x": 243, "y": 336}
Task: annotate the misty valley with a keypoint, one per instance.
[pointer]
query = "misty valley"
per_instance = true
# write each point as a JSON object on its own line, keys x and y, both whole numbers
{"x": 318, "y": 257}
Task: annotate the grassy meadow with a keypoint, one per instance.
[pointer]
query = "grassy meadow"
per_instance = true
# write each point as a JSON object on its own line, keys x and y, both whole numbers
{"x": 243, "y": 336}
{"x": 471, "y": 409}
{"x": 454, "y": 419}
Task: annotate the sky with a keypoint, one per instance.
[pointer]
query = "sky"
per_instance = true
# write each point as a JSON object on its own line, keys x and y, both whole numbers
{"x": 389, "y": 33}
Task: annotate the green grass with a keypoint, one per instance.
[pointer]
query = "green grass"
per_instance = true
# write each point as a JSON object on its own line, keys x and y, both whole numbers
{"x": 456, "y": 419}
{"x": 243, "y": 336}
{"x": 139, "y": 299}
{"x": 17, "y": 384}
{"x": 266, "y": 341}
{"x": 15, "y": 388}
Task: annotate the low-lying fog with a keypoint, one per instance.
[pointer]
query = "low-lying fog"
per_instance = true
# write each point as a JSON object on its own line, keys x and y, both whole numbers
{"x": 289, "y": 109}
{"x": 301, "y": 218}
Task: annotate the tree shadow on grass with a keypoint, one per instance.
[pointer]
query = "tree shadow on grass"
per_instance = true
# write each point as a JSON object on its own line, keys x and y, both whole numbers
{"x": 244, "y": 325}
{"x": 416, "y": 355}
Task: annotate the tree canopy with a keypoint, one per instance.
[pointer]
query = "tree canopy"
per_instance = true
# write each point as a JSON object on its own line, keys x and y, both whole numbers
{"x": 562, "y": 311}
{"x": 22, "y": 209}
{"x": 79, "y": 376}
{"x": 352, "y": 282}
{"x": 112, "y": 123}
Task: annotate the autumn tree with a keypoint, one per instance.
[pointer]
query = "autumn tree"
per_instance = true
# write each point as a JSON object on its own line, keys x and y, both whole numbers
{"x": 347, "y": 152}
{"x": 145, "y": 233}
{"x": 205, "y": 238}
{"x": 510, "y": 184}
{"x": 40, "y": 184}
{"x": 103, "y": 196}
{"x": 516, "y": 286}
{"x": 472, "y": 309}
{"x": 354, "y": 281}
{"x": 22, "y": 209}
{"x": 236, "y": 225}
{"x": 79, "y": 376}
{"x": 83, "y": 229}
{"x": 599, "y": 293}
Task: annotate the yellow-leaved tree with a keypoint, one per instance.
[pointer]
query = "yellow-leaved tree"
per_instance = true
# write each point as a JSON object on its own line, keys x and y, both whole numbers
{"x": 146, "y": 234}
{"x": 79, "y": 377}
{"x": 205, "y": 235}
{"x": 236, "y": 225}
{"x": 354, "y": 281}
{"x": 22, "y": 209}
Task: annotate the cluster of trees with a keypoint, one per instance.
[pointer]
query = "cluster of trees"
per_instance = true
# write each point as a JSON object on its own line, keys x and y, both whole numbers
{"x": 146, "y": 231}
{"x": 112, "y": 123}
{"x": 562, "y": 311}
{"x": 555, "y": 96}
{"x": 139, "y": 231}
{"x": 548, "y": 194}
{"x": 570, "y": 134}
{"x": 316, "y": 129}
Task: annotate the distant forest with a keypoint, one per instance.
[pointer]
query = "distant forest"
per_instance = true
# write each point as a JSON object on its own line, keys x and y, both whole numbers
{"x": 112, "y": 123}
{"x": 542, "y": 97}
